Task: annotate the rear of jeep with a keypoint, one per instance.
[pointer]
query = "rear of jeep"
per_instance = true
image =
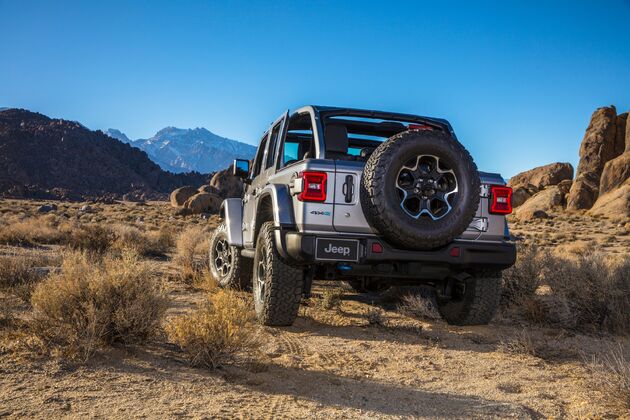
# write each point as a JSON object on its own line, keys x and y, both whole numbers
{"x": 374, "y": 199}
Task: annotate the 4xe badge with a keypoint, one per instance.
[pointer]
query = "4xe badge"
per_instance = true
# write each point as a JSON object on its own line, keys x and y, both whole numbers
{"x": 337, "y": 249}
{"x": 320, "y": 213}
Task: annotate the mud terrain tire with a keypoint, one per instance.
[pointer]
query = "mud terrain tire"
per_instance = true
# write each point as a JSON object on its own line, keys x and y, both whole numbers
{"x": 277, "y": 285}
{"x": 239, "y": 274}
{"x": 476, "y": 303}
{"x": 380, "y": 196}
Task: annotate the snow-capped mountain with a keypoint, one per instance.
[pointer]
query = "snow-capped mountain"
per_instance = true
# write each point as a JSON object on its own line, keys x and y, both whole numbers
{"x": 184, "y": 150}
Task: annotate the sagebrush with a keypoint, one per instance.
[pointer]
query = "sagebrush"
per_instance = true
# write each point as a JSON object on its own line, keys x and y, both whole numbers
{"x": 221, "y": 327}
{"x": 90, "y": 303}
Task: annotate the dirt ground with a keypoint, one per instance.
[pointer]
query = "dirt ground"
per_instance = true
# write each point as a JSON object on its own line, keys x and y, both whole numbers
{"x": 332, "y": 363}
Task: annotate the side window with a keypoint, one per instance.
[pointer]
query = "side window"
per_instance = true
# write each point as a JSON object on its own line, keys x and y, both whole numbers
{"x": 271, "y": 155}
{"x": 259, "y": 156}
{"x": 298, "y": 143}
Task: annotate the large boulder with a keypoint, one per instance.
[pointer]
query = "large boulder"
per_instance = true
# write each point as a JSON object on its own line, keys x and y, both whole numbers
{"x": 543, "y": 176}
{"x": 208, "y": 189}
{"x": 598, "y": 147}
{"x": 522, "y": 193}
{"x": 627, "y": 149}
{"x": 614, "y": 204}
{"x": 203, "y": 203}
{"x": 615, "y": 173}
{"x": 544, "y": 202}
{"x": 228, "y": 185}
{"x": 180, "y": 195}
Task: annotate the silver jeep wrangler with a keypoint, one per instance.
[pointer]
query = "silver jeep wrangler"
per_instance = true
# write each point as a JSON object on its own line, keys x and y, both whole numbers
{"x": 371, "y": 198}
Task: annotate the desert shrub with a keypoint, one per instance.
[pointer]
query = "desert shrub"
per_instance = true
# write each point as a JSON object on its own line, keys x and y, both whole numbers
{"x": 90, "y": 303}
{"x": 611, "y": 371}
{"x": 191, "y": 251}
{"x": 519, "y": 343}
{"x": 331, "y": 298}
{"x": 152, "y": 243}
{"x": 521, "y": 281}
{"x": 417, "y": 306}
{"x": 29, "y": 232}
{"x": 589, "y": 292}
{"x": 91, "y": 238}
{"x": 217, "y": 330}
{"x": 375, "y": 316}
{"x": 20, "y": 273}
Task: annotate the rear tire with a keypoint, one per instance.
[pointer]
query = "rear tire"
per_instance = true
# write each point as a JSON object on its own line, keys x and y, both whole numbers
{"x": 227, "y": 266}
{"x": 277, "y": 286}
{"x": 474, "y": 300}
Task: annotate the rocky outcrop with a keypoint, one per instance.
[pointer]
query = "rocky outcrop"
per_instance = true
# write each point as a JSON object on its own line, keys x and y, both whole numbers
{"x": 549, "y": 200}
{"x": 180, "y": 195}
{"x": 597, "y": 148}
{"x": 615, "y": 173}
{"x": 228, "y": 185}
{"x": 522, "y": 193}
{"x": 627, "y": 149}
{"x": 614, "y": 204}
{"x": 620, "y": 133}
{"x": 543, "y": 176}
{"x": 208, "y": 189}
{"x": 203, "y": 203}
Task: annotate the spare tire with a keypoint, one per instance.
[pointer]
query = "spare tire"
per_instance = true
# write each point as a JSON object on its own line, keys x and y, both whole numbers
{"x": 420, "y": 189}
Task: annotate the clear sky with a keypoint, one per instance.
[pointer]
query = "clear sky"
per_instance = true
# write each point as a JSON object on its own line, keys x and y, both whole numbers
{"x": 517, "y": 79}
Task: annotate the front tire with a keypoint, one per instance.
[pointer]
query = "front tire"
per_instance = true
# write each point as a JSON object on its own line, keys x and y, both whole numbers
{"x": 227, "y": 265}
{"x": 474, "y": 300}
{"x": 277, "y": 286}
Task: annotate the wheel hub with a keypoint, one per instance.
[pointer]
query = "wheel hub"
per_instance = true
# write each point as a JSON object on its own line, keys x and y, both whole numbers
{"x": 426, "y": 187}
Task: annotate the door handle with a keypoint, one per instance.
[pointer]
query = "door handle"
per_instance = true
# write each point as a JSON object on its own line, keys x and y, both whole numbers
{"x": 348, "y": 189}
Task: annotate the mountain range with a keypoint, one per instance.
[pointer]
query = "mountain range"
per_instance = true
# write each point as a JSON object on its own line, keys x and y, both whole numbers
{"x": 183, "y": 150}
{"x": 41, "y": 157}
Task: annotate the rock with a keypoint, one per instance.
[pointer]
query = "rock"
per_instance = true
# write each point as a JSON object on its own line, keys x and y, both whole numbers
{"x": 614, "y": 204}
{"x": 620, "y": 133}
{"x": 209, "y": 189}
{"x": 616, "y": 172}
{"x": 203, "y": 203}
{"x": 228, "y": 185}
{"x": 520, "y": 195}
{"x": 597, "y": 148}
{"x": 543, "y": 176}
{"x": 180, "y": 195}
{"x": 540, "y": 214}
{"x": 550, "y": 199}
{"x": 46, "y": 208}
{"x": 86, "y": 209}
{"x": 627, "y": 149}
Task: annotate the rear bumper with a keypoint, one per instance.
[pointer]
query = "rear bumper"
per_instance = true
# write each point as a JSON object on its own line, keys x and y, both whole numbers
{"x": 300, "y": 248}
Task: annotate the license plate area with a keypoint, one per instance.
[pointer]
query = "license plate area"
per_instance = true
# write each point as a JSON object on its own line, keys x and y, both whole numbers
{"x": 327, "y": 249}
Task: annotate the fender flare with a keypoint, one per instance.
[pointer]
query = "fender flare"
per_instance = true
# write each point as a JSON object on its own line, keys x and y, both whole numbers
{"x": 281, "y": 204}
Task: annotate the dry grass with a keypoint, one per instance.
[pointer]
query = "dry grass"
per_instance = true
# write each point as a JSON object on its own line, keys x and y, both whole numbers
{"x": 212, "y": 334}
{"x": 417, "y": 306}
{"x": 589, "y": 292}
{"x": 375, "y": 316}
{"x": 30, "y": 232}
{"x": 191, "y": 250}
{"x": 20, "y": 273}
{"x": 331, "y": 298}
{"x": 519, "y": 343}
{"x": 150, "y": 244}
{"x": 91, "y": 303}
{"x": 91, "y": 238}
{"x": 611, "y": 371}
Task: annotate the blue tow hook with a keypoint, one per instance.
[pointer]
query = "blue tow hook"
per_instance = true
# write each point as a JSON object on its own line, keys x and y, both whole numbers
{"x": 344, "y": 267}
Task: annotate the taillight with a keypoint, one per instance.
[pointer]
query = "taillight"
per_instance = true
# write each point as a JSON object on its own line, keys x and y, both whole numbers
{"x": 500, "y": 200}
{"x": 313, "y": 186}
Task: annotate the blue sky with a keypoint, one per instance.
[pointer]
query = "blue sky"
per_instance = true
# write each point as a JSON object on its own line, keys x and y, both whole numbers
{"x": 518, "y": 80}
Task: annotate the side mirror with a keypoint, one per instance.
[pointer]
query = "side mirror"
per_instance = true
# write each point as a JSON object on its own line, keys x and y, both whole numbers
{"x": 240, "y": 168}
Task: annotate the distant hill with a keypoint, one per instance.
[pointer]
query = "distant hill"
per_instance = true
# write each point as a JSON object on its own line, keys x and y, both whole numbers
{"x": 183, "y": 150}
{"x": 44, "y": 157}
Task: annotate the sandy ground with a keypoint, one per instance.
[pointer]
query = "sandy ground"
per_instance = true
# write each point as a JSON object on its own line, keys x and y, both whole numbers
{"x": 330, "y": 363}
